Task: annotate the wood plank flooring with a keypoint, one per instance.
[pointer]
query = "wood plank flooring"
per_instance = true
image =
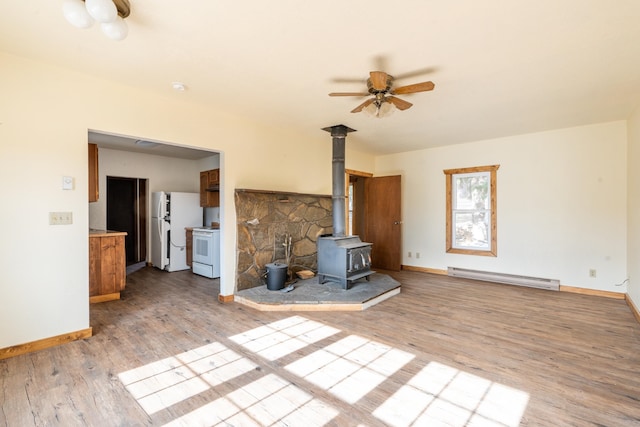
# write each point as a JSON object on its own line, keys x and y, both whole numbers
{"x": 444, "y": 352}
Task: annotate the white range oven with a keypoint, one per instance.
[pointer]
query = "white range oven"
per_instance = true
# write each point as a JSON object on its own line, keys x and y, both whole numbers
{"x": 206, "y": 252}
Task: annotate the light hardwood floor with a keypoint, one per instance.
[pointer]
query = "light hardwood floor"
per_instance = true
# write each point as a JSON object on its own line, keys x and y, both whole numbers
{"x": 444, "y": 352}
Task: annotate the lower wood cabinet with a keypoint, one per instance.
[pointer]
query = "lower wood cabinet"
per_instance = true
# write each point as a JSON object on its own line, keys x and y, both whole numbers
{"x": 107, "y": 265}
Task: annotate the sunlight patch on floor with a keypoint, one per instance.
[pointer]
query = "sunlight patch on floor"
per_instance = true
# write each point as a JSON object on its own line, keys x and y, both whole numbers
{"x": 350, "y": 368}
{"x": 160, "y": 384}
{"x": 268, "y": 401}
{"x": 442, "y": 395}
{"x": 283, "y": 337}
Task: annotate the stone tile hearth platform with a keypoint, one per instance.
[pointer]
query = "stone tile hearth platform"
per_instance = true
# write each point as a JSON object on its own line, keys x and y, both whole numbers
{"x": 309, "y": 295}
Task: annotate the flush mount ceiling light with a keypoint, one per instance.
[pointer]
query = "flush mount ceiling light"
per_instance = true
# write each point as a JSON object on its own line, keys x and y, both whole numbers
{"x": 178, "y": 86}
{"x": 146, "y": 144}
{"x": 109, "y": 13}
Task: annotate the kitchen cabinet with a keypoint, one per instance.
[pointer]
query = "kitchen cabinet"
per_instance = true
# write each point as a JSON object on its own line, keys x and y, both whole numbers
{"x": 107, "y": 265}
{"x": 210, "y": 188}
{"x": 93, "y": 173}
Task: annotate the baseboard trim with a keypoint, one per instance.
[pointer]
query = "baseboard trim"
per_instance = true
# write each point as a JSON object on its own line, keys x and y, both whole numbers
{"x": 563, "y": 288}
{"x": 424, "y": 270}
{"x": 633, "y": 307}
{"x": 103, "y": 298}
{"x": 44, "y": 343}
{"x": 594, "y": 292}
{"x": 225, "y": 299}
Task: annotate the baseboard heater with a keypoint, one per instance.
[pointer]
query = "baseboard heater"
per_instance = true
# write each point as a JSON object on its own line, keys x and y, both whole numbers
{"x": 509, "y": 279}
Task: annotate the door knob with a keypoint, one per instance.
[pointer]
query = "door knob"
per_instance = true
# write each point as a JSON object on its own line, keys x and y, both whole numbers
{"x": 397, "y": 222}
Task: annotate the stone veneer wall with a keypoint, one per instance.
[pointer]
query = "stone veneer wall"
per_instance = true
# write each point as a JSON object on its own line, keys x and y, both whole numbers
{"x": 265, "y": 219}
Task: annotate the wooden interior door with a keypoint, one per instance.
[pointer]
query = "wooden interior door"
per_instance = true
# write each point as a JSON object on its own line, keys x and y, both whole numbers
{"x": 383, "y": 221}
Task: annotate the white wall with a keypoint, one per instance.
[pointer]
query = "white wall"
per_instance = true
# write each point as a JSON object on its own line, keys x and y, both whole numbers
{"x": 162, "y": 173}
{"x": 633, "y": 213}
{"x": 45, "y": 115}
{"x": 561, "y": 204}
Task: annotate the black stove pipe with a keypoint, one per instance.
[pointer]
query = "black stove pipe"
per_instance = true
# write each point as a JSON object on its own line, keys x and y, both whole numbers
{"x": 338, "y": 196}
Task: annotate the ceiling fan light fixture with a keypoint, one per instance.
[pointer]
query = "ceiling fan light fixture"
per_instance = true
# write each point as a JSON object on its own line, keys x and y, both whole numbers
{"x": 379, "y": 109}
{"x": 371, "y": 109}
{"x": 384, "y": 101}
{"x": 386, "y": 109}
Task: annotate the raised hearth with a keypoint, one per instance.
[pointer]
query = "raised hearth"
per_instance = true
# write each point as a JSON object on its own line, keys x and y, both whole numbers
{"x": 309, "y": 295}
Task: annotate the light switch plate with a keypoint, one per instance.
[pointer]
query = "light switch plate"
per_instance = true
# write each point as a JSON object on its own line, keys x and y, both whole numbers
{"x": 60, "y": 218}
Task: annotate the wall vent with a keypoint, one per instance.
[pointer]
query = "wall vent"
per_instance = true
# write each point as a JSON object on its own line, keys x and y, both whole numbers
{"x": 509, "y": 279}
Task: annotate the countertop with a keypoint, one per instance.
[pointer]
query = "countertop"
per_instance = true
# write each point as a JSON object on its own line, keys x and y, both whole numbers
{"x": 105, "y": 233}
{"x": 203, "y": 227}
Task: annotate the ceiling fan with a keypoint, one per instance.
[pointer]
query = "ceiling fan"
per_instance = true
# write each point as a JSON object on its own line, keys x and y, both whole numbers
{"x": 379, "y": 84}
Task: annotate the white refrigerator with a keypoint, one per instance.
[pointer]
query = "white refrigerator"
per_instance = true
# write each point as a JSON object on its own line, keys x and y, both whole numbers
{"x": 171, "y": 213}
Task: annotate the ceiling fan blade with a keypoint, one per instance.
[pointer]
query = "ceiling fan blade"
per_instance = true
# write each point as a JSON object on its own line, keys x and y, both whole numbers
{"x": 414, "y": 73}
{"x": 349, "y": 94}
{"x": 348, "y": 80}
{"x": 399, "y": 103}
{"x": 363, "y": 105}
{"x": 416, "y": 87}
{"x": 378, "y": 80}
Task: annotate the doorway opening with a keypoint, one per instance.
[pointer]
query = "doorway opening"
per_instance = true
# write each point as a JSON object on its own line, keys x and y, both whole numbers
{"x": 373, "y": 214}
{"x": 355, "y": 201}
{"x": 127, "y": 211}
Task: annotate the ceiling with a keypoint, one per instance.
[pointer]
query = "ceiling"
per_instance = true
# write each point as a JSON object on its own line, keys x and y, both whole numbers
{"x": 500, "y": 67}
{"x": 156, "y": 148}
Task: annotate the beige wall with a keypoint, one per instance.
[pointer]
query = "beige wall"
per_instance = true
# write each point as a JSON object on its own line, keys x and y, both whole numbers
{"x": 45, "y": 114}
{"x": 561, "y": 204}
{"x": 633, "y": 206}
{"x": 572, "y": 216}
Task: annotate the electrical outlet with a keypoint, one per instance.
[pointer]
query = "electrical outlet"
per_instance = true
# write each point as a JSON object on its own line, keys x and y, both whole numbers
{"x": 592, "y": 272}
{"x": 409, "y": 255}
{"x": 417, "y": 254}
{"x": 60, "y": 218}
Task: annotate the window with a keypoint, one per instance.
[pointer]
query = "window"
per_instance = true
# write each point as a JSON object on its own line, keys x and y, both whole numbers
{"x": 471, "y": 210}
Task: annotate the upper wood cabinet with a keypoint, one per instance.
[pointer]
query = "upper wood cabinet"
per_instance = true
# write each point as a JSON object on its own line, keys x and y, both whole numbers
{"x": 93, "y": 173}
{"x": 210, "y": 188}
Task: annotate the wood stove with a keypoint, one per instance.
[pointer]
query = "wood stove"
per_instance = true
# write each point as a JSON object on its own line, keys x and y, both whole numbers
{"x": 342, "y": 259}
